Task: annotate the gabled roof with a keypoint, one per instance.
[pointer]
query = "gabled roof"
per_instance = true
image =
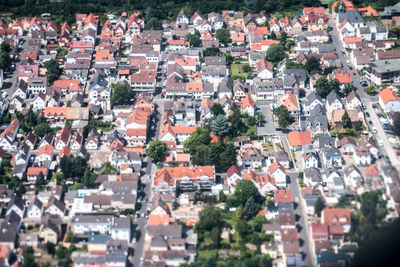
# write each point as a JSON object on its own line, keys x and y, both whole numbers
{"x": 388, "y": 95}
{"x": 300, "y": 138}
{"x": 247, "y": 102}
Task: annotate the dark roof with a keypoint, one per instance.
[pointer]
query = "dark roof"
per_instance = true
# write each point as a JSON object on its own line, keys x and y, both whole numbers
{"x": 17, "y": 201}
{"x": 332, "y": 96}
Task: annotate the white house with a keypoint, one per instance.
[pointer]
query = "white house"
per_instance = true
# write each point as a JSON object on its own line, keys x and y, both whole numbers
{"x": 311, "y": 159}
{"x": 389, "y": 101}
{"x": 276, "y": 171}
{"x": 35, "y": 210}
{"x": 333, "y": 102}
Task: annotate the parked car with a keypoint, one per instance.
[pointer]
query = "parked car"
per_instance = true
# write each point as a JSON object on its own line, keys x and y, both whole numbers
{"x": 386, "y": 126}
{"x": 367, "y": 114}
{"x": 388, "y": 132}
{"x": 354, "y": 73}
{"x": 374, "y": 106}
{"x": 383, "y": 120}
{"x": 392, "y": 140}
{"x": 370, "y": 123}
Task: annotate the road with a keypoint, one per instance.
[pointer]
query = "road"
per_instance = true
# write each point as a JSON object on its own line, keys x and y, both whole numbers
{"x": 381, "y": 135}
{"x": 140, "y": 224}
{"x": 301, "y": 217}
{"x": 343, "y": 57}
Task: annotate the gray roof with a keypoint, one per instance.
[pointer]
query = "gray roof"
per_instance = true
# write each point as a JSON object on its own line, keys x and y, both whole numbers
{"x": 325, "y": 48}
{"x": 281, "y": 155}
{"x": 314, "y": 122}
{"x": 365, "y": 30}
{"x": 326, "y": 142}
{"x": 226, "y": 85}
{"x": 171, "y": 230}
{"x": 352, "y": 95}
{"x": 313, "y": 173}
{"x": 122, "y": 223}
{"x": 332, "y": 96}
{"x": 215, "y": 61}
{"x": 353, "y": 16}
{"x": 383, "y": 66}
{"x": 300, "y": 74}
{"x": 8, "y": 232}
{"x": 312, "y": 97}
{"x": 332, "y": 152}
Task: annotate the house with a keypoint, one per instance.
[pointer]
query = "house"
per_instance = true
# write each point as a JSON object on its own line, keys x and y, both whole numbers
{"x": 312, "y": 176}
{"x": 337, "y": 216}
{"x": 34, "y": 172}
{"x": 311, "y": 159}
{"x": 353, "y": 177}
{"x": 55, "y": 207}
{"x": 331, "y": 157}
{"x": 184, "y": 178}
{"x": 45, "y": 154}
{"x": 276, "y": 171}
{"x": 248, "y": 105}
{"x": 35, "y": 210}
{"x": 283, "y": 158}
{"x": 362, "y": 155}
{"x": 121, "y": 229}
{"x": 353, "y": 101}
{"x": 384, "y": 71}
{"x": 265, "y": 184}
{"x": 389, "y": 101}
{"x": 283, "y": 195}
{"x": 352, "y": 15}
{"x": 264, "y": 69}
{"x": 160, "y": 211}
{"x": 63, "y": 137}
{"x": 291, "y": 102}
{"x": 313, "y": 99}
{"x": 251, "y": 157}
{"x": 333, "y": 102}
{"x": 234, "y": 175}
{"x": 300, "y": 140}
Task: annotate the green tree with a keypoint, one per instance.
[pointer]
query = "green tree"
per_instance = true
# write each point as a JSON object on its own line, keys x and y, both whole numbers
{"x": 53, "y": 70}
{"x": 201, "y": 155}
{"x": 250, "y": 208}
{"x": 371, "y": 90}
{"x": 324, "y": 86}
{"x": 211, "y": 51}
{"x": 221, "y": 196}
{"x": 194, "y": 39}
{"x": 5, "y": 47}
{"x": 283, "y": 38}
{"x": 246, "y": 189}
{"x": 273, "y": 35}
{"x": 246, "y": 68}
{"x": 200, "y": 137}
{"x": 346, "y": 122}
{"x": 319, "y": 206}
{"x": 283, "y": 116}
{"x": 39, "y": 181}
{"x": 348, "y": 88}
{"x": 51, "y": 249}
{"x": 223, "y": 156}
{"x": 223, "y": 35}
{"x": 217, "y": 110}
{"x": 312, "y": 65}
{"x": 276, "y": 53}
{"x": 220, "y": 126}
{"x": 42, "y": 129}
{"x": 216, "y": 236}
{"x": 258, "y": 222}
{"x": 240, "y": 212}
{"x": 156, "y": 149}
{"x": 237, "y": 125}
{"x": 209, "y": 218}
{"x": 121, "y": 95}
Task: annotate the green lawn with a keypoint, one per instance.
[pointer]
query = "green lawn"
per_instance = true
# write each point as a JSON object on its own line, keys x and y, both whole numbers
{"x": 237, "y": 71}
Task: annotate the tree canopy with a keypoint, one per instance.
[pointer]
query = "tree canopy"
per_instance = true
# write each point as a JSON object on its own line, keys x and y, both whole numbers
{"x": 324, "y": 86}
{"x": 223, "y": 35}
{"x": 313, "y": 65}
{"x": 282, "y": 113}
{"x": 156, "y": 149}
{"x": 244, "y": 190}
{"x": 220, "y": 126}
{"x": 276, "y": 53}
{"x": 53, "y": 70}
{"x": 194, "y": 39}
{"x": 121, "y": 95}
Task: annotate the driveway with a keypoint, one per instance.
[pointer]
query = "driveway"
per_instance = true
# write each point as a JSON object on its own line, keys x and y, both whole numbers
{"x": 269, "y": 125}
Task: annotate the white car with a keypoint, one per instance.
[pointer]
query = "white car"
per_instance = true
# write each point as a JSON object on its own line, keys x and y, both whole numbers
{"x": 392, "y": 140}
{"x": 383, "y": 120}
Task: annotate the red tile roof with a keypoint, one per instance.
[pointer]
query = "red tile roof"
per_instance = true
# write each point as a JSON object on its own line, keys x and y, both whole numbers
{"x": 336, "y": 216}
{"x": 300, "y": 138}
{"x": 388, "y": 95}
{"x": 283, "y": 195}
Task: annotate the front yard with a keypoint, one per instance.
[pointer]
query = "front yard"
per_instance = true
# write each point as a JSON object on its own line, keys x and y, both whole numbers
{"x": 240, "y": 70}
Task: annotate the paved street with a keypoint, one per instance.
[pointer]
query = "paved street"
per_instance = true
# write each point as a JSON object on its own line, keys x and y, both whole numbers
{"x": 338, "y": 45}
{"x": 381, "y": 135}
{"x": 140, "y": 224}
{"x": 301, "y": 217}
